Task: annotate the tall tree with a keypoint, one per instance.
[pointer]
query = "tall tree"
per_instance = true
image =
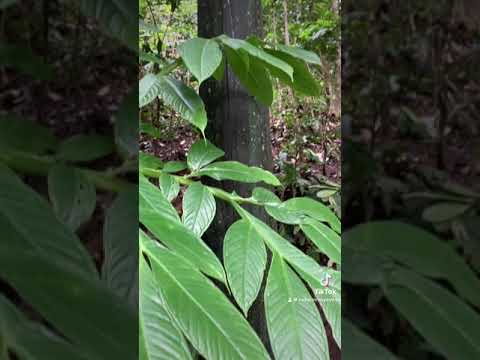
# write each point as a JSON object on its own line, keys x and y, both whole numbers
{"x": 237, "y": 122}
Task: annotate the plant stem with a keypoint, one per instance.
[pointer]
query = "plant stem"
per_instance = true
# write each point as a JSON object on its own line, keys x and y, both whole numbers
{"x": 219, "y": 193}
{"x": 40, "y": 165}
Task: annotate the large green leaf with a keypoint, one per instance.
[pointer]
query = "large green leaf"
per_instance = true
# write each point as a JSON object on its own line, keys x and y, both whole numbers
{"x": 315, "y": 210}
{"x": 184, "y": 100}
{"x": 149, "y": 161}
{"x": 72, "y": 195}
{"x": 84, "y": 148}
{"x": 299, "y": 53}
{"x": 199, "y": 208}
{"x": 328, "y": 292}
{"x": 294, "y": 324}
{"x": 120, "y": 266}
{"x": 117, "y": 17}
{"x": 148, "y": 89}
{"x": 252, "y": 75}
{"x": 232, "y": 170}
{"x": 76, "y": 305}
{"x": 303, "y": 80}
{"x": 159, "y": 216}
{"x": 31, "y": 340}
{"x": 326, "y": 240}
{"x": 202, "y": 153}
{"x": 207, "y": 318}
{"x": 359, "y": 345}
{"x": 444, "y": 211}
{"x": 161, "y": 337}
{"x": 414, "y": 247}
{"x": 168, "y": 186}
{"x": 153, "y": 198}
{"x": 202, "y": 57}
{"x": 448, "y": 323}
{"x": 258, "y": 53}
{"x": 31, "y": 215}
{"x": 245, "y": 258}
{"x": 174, "y": 166}
{"x": 14, "y": 131}
{"x": 307, "y": 268}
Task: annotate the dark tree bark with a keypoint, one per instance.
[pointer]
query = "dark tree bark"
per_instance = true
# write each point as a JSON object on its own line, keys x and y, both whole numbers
{"x": 237, "y": 123}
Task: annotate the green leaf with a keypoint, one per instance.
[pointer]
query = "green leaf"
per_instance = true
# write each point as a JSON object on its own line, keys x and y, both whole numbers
{"x": 162, "y": 339}
{"x": 150, "y": 57}
{"x": 207, "y": 318}
{"x": 120, "y": 247}
{"x": 41, "y": 232}
{"x": 258, "y": 53}
{"x": 245, "y": 259}
{"x": 183, "y": 100}
{"x": 126, "y": 126}
{"x": 199, "y": 208}
{"x": 299, "y": 53}
{"x": 232, "y": 170}
{"x": 101, "y": 325}
{"x": 327, "y": 240}
{"x": 280, "y": 245}
{"x": 444, "y": 211}
{"x": 328, "y": 293}
{"x": 363, "y": 268}
{"x": 174, "y": 166}
{"x": 202, "y": 153}
{"x": 361, "y": 346}
{"x": 85, "y": 148}
{"x": 303, "y": 80}
{"x": 414, "y": 247}
{"x": 72, "y": 195}
{"x": 117, "y": 17}
{"x": 168, "y": 186}
{"x": 297, "y": 211}
{"x": 31, "y": 340}
{"x": 446, "y": 322}
{"x": 149, "y": 161}
{"x": 294, "y": 324}
{"x": 24, "y": 60}
{"x": 154, "y": 199}
{"x": 252, "y": 75}
{"x": 148, "y": 89}
{"x": 14, "y": 131}
{"x": 265, "y": 197}
{"x": 307, "y": 268}
{"x": 159, "y": 216}
{"x": 202, "y": 57}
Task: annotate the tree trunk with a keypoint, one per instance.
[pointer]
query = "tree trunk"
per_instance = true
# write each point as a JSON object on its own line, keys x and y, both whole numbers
{"x": 237, "y": 123}
{"x": 285, "y": 22}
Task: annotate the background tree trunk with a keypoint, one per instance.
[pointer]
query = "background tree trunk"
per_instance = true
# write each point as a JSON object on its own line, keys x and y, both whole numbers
{"x": 285, "y": 22}
{"x": 237, "y": 123}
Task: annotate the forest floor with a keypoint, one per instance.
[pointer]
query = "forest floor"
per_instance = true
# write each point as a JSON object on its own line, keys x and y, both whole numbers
{"x": 169, "y": 148}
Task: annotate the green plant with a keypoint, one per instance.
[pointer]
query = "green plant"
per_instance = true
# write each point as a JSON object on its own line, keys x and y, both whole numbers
{"x": 65, "y": 306}
{"x": 180, "y": 305}
{"x": 396, "y": 259}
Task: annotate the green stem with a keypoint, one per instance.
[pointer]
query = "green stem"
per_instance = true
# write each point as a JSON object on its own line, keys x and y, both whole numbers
{"x": 219, "y": 193}
{"x": 170, "y": 67}
{"x": 40, "y": 165}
